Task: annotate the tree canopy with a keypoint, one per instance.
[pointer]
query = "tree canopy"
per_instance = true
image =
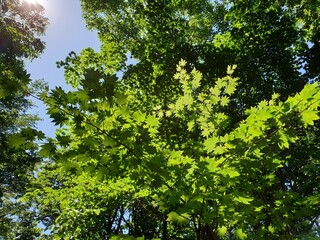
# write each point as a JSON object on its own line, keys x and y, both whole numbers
{"x": 20, "y": 25}
{"x": 195, "y": 120}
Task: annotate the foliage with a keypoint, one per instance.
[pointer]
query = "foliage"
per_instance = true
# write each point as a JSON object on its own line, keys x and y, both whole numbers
{"x": 115, "y": 159}
{"x": 274, "y": 44}
{"x": 186, "y": 151}
{"x": 19, "y": 25}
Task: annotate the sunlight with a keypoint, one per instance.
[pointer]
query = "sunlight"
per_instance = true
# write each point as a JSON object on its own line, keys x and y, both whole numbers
{"x": 34, "y": 1}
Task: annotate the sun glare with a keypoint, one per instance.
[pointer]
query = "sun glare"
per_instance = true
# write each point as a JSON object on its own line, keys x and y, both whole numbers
{"x": 34, "y": 1}
{"x": 31, "y": 1}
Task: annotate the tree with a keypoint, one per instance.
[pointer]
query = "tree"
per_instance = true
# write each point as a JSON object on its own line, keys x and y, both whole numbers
{"x": 19, "y": 25}
{"x": 272, "y": 54}
{"x": 186, "y": 152}
{"x": 114, "y": 166}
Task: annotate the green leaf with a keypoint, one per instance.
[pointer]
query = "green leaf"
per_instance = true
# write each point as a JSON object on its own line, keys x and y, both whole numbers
{"x": 222, "y": 231}
{"x": 243, "y": 200}
{"x": 230, "y": 89}
{"x": 187, "y": 99}
{"x": 182, "y": 63}
{"x": 177, "y": 158}
{"x": 240, "y": 234}
{"x": 196, "y": 81}
{"x": 210, "y": 144}
{"x": 219, "y": 149}
{"x": 309, "y": 91}
{"x": 97, "y": 211}
{"x": 47, "y": 149}
{"x": 308, "y": 117}
{"x": 230, "y": 69}
{"x": 139, "y": 116}
{"x": 3, "y": 92}
{"x": 224, "y": 101}
{"x": 152, "y": 121}
{"x": 178, "y": 218}
{"x": 155, "y": 164}
{"x": 16, "y": 140}
{"x": 191, "y": 125}
{"x": 271, "y": 229}
{"x": 232, "y": 173}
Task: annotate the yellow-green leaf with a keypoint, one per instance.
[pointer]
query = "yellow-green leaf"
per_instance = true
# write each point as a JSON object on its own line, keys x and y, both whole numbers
{"x": 240, "y": 234}
{"x": 222, "y": 231}
{"x": 210, "y": 144}
{"x": 308, "y": 117}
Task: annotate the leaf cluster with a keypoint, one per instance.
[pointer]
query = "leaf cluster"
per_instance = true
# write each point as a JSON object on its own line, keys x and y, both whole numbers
{"x": 113, "y": 160}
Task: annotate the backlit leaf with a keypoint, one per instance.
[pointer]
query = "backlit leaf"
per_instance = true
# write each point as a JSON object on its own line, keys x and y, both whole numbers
{"x": 240, "y": 234}
{"x": 222, "y": 231}
{"x": 210, "y": 144}
{"x": 308, "y": 117}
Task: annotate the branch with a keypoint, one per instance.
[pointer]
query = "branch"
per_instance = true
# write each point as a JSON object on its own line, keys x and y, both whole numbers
{"x": 89, "y": 123}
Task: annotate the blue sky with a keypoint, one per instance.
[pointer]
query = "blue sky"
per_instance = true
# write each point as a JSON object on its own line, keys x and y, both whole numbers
{"x": 65, "y": 33}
